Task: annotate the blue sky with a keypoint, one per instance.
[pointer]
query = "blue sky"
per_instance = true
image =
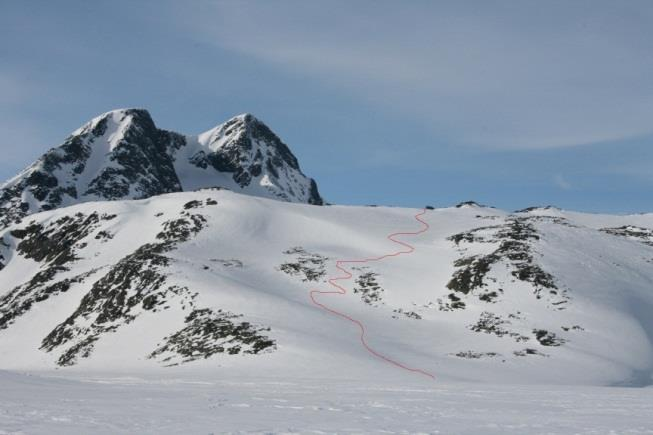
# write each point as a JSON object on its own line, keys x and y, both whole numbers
{"x": 511, "y": 104}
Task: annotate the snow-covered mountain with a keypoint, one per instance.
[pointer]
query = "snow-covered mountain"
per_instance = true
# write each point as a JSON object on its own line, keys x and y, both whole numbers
{"x": 131, "y": 248}
{"x": 214, "y": 281}
{"x": 123, "y": 155}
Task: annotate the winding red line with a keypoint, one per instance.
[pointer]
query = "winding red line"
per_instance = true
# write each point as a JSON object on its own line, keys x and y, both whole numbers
{"x": 347, "y": 275}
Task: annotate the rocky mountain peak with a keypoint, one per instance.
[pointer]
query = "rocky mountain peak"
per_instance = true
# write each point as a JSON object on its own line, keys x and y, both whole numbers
{"x": 121, "y": 154}
{"x": 119, "y": 118}
{"x": 243, "y": 132}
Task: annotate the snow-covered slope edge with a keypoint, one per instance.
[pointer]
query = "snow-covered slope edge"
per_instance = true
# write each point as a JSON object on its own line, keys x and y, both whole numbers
{"x": 213, "y": 281}
{"x": 123, "y": 155}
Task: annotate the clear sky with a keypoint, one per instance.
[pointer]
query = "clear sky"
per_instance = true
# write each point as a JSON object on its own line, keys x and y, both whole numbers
{"x": 509, "y": 103}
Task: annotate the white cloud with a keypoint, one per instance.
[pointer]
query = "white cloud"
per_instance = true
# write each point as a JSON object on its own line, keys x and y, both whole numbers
{"x": 562, "y": 182}
{"x": 501, "y": 75}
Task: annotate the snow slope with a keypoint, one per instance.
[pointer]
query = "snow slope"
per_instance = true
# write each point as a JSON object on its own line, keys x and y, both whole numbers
{"x": 215, "y": 283}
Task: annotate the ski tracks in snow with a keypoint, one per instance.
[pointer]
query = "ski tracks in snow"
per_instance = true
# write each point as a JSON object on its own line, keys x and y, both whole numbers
{"x": 346, "y": 275}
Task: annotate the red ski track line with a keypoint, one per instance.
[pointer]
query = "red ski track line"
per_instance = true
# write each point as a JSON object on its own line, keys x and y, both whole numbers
{"x": 347, "y": 275}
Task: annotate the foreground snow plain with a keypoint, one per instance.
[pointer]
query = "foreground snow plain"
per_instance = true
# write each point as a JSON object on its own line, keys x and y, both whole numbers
{"x": 102, "y": 405}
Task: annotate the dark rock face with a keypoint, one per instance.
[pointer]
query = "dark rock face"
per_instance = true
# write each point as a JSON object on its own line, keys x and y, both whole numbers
{"x": 3, "y": 246}
{"x": 368, "y": 287}
{"x": 315, "y": 197}
{"x": 135, "y": 283}
{"x": 41, "y": 287}
{"x": 475, "y": 277}
{"x": 123, "y": 155}
{"x": 515, "y": 250}
{"x": 119, "y": 293}
{"x": 547, "y": 338}
{"x": 240, "y": 155}
{"x": 536, "y": 208}
{"x": 468, "y": 204}
{"x": 309, "y": 266}
{"x": 631, "y": 232}
{"x": 208, "y": 332}
{"x": 490, "y": 323}
{"x": 529, "y": 351}
{"x": 248, "y": 149}
{"x": 56, "y": 243}
{"x": 56, "y": 246}
{"x": 472, "y": 204}
{"x": 470, "y": 354}
{"x": 139, "y": 166}
{"x": 143, "y": 162}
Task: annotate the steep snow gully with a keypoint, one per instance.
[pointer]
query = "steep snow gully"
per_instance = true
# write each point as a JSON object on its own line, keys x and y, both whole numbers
{"x": 339, "y": 290}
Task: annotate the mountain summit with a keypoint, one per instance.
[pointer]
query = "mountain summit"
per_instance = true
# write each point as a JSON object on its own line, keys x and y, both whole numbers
{"x": 123, "y": 155}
